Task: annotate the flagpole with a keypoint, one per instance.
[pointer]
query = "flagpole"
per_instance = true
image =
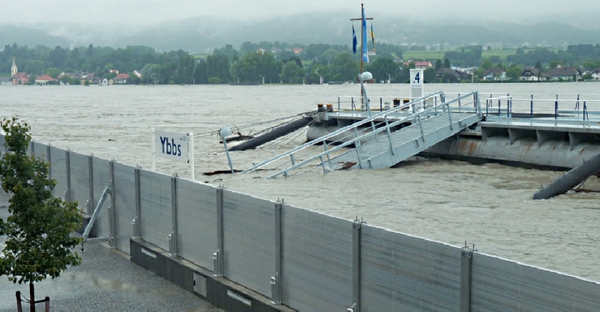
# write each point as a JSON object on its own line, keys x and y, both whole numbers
{"x": 362, "y": 35}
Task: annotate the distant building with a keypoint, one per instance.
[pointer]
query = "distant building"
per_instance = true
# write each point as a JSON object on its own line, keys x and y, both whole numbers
{"x": 14, "y": 69}
{"x": 419, "y": 64}
{"x": 44, "y": 80}
{"x": 423, "y": 65}
{"x": 121, "y": 78}
{"x": 21, "y": 78}
{"x": 531, "y": 74}
{"x": 451, "y": 75}
{"x": 494, "y": 74}
{"x": 15, "y": 76}
{"x": 563, "y": 73}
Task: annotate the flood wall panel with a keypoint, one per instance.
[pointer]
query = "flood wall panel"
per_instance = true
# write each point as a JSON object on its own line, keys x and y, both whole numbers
{"x": 398, "y": 272}
{"x": 40, "y": 150}
{"x": 249, "y": 240}
{"x": 155, "y": 198}
{"x": 2, "y": 140}
{"x": 404, "y": 273}
{"x": 196, "y": 222}
{"x": 124, "y": 193}
{"x": 317, "y": 261}
{"x": 58, "y": 167}
{"x": 500, "y": 284}
{"x": 80, "y": 180}
{"x": 101, "y": 178}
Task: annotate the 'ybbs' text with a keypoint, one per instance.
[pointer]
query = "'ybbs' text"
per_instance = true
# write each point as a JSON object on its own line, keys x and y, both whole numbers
{"x": 170, "y": 148}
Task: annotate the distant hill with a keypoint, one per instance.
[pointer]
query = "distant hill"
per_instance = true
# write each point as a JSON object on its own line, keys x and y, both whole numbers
{"x": 204, "y": 34}
{"x": 26, "y": 36}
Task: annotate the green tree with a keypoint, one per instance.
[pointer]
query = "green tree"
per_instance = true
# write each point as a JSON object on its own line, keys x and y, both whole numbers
{"x": 291, "y": 72}
{"x": 214, "y": 80}
{"x": 58, "y": 57}
{"x": 556, "y": 63}
{"x": 38, "y": 240}
{"x": 446, "y": 63}
{"x": 151, "y": 73}
{"x": 227, "y": 50}
{"x": 343, "y": 67}
{"x": 514, "y": 72}
{"x": 253, "y": 66}
{"x": 218, "y": 66}
{"x": 53, "y": 72}
{"x": 32, "y": 79}
{"x": 384, "y": 68}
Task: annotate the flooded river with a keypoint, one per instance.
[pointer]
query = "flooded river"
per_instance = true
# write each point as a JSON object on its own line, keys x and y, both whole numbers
{"x": 487, "y": 205}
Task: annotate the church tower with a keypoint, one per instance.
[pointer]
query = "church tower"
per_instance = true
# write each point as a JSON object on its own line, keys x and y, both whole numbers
{"x": 14, "y": 70}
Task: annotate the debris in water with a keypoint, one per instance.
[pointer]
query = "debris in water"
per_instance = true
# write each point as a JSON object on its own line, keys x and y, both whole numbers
{"x": 220, "y": 172}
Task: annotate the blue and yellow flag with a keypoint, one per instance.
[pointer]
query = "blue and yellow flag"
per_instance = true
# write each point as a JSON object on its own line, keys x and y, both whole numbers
{"x": 372, "y": 37}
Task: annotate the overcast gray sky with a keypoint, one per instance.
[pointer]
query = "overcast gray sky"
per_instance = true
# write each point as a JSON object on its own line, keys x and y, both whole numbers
{"x": 152, "y": 11}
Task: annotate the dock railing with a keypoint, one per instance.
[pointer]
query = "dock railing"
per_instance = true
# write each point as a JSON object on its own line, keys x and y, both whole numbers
{"x": 379, "y": 103}
{"x": 381, "y": 131}
{"x": 343, "y": 134}
{"x": 367, "y": 129}
{"x": 566, "y": 107}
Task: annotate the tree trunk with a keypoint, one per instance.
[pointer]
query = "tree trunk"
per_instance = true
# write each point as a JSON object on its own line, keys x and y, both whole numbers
{"x": 31, "y": 298}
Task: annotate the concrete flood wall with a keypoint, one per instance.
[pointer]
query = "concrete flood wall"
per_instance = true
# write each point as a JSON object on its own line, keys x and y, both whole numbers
{"x": 243, "y": 253}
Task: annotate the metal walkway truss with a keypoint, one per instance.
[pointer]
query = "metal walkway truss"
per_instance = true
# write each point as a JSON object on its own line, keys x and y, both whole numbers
{"x": 382, "y": 140}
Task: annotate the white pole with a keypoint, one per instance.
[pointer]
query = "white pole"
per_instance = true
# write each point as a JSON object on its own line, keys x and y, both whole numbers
{"x": 153, "y": 154}
{"x": 191, "y": 156}
{"x": 228, "y": 157}
{"x": 224, "y": 132}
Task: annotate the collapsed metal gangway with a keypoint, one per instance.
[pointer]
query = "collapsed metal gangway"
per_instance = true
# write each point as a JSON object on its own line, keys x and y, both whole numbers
{"x": 384, "y": 139}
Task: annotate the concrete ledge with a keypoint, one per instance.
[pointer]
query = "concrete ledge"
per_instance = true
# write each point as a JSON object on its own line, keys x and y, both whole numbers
{"x": 219, "y": 291}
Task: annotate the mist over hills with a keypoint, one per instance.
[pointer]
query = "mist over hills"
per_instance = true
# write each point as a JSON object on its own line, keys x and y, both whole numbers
{"x": 204, "y": 34}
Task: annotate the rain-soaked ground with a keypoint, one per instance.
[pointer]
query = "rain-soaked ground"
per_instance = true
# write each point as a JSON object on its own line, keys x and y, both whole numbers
{"x": 106, "y": 280}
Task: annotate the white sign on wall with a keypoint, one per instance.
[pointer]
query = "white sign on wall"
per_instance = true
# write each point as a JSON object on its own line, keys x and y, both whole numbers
{"x": 173, "y": 145}
{"x": 416, "y": 83}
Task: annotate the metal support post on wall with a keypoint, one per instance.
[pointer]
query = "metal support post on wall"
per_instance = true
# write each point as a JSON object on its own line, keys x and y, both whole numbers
{"x": 49, "y": 159}
{"x": 466, "y": 260}
{"x": 277, "y": 279}
{"x": 137, "y": 221}
{"x": 356, "y": 233}
{"x": 90, "y": 208}
{"x": 112, "y": 218}
{"x": 218, "y": 261}
{"x": 173, "y": 235}
{"x": 68, "y": 166}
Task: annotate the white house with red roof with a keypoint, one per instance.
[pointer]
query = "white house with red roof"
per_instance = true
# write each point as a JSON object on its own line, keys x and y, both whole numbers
{"x": 423, "y": 65}
{"x": 420, "y": 64}
{"x": 121, "y": 78}
{"x": 44, "y": 80}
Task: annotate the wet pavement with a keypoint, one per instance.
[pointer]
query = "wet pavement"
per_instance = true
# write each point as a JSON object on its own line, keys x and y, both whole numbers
{"x": 106, "y": 280}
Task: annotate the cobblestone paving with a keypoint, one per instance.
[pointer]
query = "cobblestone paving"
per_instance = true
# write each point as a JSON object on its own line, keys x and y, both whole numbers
{"x": 106, "y": 280}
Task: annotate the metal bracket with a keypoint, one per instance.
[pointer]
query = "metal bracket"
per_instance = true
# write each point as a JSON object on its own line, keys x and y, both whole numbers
{"x": 217, "y": 268}
{"x": 107, "y": 191}
{"x": 275, "y": 295}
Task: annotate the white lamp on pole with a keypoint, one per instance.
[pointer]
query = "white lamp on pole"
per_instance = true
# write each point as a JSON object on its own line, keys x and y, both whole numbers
{"x": 365, "y": 77}
{"x": 225, "y": 132}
